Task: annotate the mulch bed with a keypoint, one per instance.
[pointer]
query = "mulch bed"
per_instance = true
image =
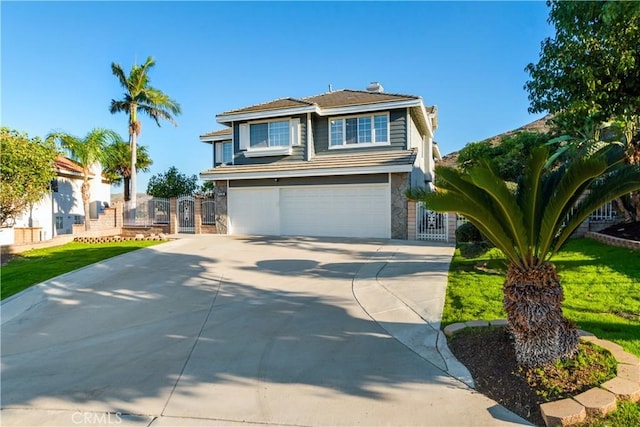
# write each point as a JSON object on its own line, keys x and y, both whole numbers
{"x": 489, "y": 355}
{"x": 629, "y": 231}
{"x": 490, "y": 358}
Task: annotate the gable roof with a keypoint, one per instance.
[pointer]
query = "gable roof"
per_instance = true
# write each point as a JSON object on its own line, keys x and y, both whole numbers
{"x": 349, "y": 97}
{"x": 345, "y": 101}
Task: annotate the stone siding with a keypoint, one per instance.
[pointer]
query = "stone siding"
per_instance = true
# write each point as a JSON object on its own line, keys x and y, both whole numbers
{"x": 399, "y": 206}
{"x": 221, "y": 192}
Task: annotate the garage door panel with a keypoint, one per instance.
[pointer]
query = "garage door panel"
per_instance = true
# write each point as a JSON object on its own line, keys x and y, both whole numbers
{"x": 361, "y": 210}
{"x": 254, "y": 211}
{"x": 343, "y": 211}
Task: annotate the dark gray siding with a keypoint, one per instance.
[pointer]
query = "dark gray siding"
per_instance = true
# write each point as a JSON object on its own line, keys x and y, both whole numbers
{"x": 298, "y": 152}
{"x": 397, "y": 135}
{"x": 380, "y": 178}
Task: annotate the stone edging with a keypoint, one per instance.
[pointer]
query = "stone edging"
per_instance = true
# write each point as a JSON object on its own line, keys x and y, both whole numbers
{"x": 598, "y": 401}
{"x": 119, "y": 238}
{"x": 613, "y": 241}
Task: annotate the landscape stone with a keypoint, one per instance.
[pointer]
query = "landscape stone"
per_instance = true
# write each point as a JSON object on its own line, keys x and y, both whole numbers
{"x": 623, "y": 389}
{"x": 451, "y": 329}
{"x": 477, "y": 323}
{"x": 629, "y": 372}
{"x": 499, "y": 322}
{"x": 597, "y": 401}
{"x": 563, "y": 412}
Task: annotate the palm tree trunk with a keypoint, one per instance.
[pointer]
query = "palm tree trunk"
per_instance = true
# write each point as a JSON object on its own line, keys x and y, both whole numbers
{"x": 622, "y": 210}
{"x": 85, "y": 201}
{"x": 133, "y": 178}
{"x": 533, "y": 302}
{"x": 127, "y": 193}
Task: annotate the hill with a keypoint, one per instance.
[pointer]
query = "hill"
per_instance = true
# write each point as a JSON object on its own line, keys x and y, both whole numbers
{"x": 540, "y": 125}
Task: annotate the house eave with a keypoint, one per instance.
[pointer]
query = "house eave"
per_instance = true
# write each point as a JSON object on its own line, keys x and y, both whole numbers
{"x": 227, "y": 119}
{"x": 363, "y": 108}
{"x": 217, "y": 138}
{"x": 365, "y": 170}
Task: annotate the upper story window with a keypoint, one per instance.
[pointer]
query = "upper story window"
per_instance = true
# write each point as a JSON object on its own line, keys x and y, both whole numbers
{"x": 271, "y": 134}
{"x": 269, "y": 138}
{"x": 224, "y": 153}
{"x": 359, "y": 130}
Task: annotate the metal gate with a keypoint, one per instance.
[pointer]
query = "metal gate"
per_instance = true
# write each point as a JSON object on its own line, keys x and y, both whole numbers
{"x": 431, "y": 225}
{"x": 186, "y": 214}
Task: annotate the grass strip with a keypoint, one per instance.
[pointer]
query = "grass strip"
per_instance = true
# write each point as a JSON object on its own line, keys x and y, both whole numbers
{"x": 38, "y": 265}
{"x": 601, "y": 285}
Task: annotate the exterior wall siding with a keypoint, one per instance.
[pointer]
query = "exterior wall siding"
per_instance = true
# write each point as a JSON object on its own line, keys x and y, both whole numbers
{"x": 298, "y": 152}
{"x": 397, "y": 135}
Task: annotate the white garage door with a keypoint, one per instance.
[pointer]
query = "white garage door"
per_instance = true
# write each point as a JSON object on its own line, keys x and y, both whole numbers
{"x": 361, "y": 210}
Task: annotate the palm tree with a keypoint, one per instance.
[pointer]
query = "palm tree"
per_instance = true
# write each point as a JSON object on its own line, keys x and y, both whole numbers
{"x": 86, "y": 152}
{"x": 117, "y": 165}
{"x": 140, "y": 95}
{"x": 529, "y": 227}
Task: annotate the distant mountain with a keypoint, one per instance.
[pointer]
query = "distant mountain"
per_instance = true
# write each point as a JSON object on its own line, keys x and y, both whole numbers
{"x": 119, "y": 197}
{"x": 540, "y": 125}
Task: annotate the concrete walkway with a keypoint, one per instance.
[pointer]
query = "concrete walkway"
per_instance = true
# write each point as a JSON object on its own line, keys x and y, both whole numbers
{"x": 219, "y": 330}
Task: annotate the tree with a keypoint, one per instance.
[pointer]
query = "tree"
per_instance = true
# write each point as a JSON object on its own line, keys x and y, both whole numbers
{"x": 172, "y": 183}
{"x": 591, "y": 68}
{"x": 531, "y": 225}
{"x": 117, "y": 164}
{"x": 86, "y": 152}
{"x": 26, "y": 172}
{"x": 140, "y": 95}
{"x": 589, "y": 72}
{"x": 509, "y": 154}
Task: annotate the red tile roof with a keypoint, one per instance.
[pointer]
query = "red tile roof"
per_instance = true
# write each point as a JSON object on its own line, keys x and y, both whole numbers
{"x": 64, "y": 164}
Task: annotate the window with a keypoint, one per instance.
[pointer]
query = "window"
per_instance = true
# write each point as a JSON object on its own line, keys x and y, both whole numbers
{"x": 269, "y": 138}
{"x": 59, "y": 222}
{"x": 224, "y": 153}
{"x": 272, "y": 134}
{"x": 359, "y": 130}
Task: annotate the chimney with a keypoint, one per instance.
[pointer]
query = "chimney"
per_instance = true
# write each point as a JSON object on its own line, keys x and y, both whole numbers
{"x": 375, "y": 87}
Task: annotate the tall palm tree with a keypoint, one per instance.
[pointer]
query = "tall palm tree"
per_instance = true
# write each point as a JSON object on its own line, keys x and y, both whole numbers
{"x": 86, "y": 152}
{"x": 529, "y": 227}
{"x": 140, "y": 95}
{"x": 117, "y": 165}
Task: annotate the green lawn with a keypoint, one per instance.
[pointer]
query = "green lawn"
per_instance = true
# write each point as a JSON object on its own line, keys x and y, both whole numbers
{"x": 38, "y": 265}
{"x": 601, "y": 285}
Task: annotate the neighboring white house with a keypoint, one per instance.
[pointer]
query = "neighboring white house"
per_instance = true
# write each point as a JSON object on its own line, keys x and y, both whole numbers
{"x": 334, "y": 164}
{"x": 59, "y": 209}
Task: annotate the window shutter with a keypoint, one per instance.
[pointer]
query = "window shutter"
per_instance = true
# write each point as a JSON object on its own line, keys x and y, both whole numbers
{"x": 295, "y": 132}
{"x": 244, "y": 136}
{"x": 219, "y": 156}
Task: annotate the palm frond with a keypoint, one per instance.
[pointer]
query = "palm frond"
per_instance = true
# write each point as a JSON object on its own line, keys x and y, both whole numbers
{"x": 619, "y": 182}
{"x": 507, "y": 210}
{"x": 457, "y": 194}
{"x": 530, "y": 195}
{"x": 571, "y": 186}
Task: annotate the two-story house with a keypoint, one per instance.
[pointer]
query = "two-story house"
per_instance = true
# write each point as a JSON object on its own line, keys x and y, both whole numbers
{"x": 336, "y": 164}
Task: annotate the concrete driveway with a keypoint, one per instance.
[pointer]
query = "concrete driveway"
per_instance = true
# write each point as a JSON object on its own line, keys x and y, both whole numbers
{"x": 220, "y": 330}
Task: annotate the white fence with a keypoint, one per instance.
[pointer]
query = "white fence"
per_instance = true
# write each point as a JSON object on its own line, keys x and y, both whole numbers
{"x": 146, "y": 214}
{"x": 431, "y": 225}
{"x": 606, "y": 212}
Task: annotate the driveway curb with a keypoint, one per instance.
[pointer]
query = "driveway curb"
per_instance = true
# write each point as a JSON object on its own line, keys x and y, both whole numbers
{"x": 400, "y": 316}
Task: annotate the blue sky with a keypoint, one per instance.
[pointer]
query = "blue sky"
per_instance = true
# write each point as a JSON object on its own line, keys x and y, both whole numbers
{"x": 467, "y": 58}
